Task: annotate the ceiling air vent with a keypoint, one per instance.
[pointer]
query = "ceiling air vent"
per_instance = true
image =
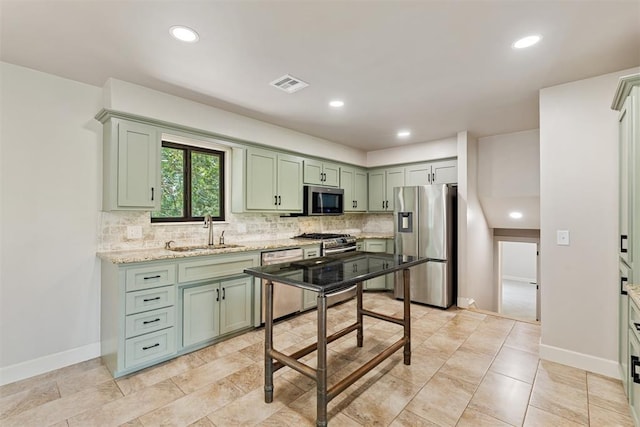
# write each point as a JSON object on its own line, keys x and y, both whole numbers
{"x": 289, "y": 84}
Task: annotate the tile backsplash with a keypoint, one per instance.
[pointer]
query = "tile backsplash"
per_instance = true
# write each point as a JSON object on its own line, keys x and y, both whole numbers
{"x": 238, "y": 228}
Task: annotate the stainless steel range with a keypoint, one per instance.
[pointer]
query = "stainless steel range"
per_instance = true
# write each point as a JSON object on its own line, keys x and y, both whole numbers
{"x": 332, "y": 243}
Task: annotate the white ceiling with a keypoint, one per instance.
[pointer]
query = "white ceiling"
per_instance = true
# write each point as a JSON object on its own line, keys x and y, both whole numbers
{"x": 435, "y": 67}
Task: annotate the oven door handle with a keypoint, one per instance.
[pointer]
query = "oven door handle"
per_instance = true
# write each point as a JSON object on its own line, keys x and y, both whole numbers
{"x": 339, "y": 250}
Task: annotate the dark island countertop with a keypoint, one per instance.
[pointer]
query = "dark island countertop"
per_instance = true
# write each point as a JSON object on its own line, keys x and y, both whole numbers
{"x": 333, "y": 273}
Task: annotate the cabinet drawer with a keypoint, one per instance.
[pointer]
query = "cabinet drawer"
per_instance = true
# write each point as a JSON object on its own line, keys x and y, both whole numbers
{"x": 148, "y": 347}
{"x": 151, "y": 276}
{"x": 634, "y": 318}
{"x": 214, "y": 267}
{"x": 150, "y": 299}
{"x": 150, "y": 321}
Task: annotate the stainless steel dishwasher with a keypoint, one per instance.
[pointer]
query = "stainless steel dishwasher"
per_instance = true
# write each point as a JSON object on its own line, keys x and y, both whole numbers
{"x": 286, "y": 299}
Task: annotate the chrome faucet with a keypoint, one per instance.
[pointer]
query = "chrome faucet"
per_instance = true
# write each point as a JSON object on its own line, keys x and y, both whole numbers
{"x": 208, "y": 223}
{"x": 222, "y": 238}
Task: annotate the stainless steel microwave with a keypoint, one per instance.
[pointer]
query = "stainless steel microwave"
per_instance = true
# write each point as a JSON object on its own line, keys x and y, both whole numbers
{"x": 323, "y": 200}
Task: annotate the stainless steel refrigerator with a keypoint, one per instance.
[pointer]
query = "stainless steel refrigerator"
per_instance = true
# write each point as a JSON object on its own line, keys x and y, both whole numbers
{"x": 425, "y": 225}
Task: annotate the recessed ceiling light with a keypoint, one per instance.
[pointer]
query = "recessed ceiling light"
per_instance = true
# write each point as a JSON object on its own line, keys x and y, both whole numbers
{"x": 184, "y": 34}
{"x": 404, "y": 133}
{"x": 526, "y": 41}
{"x": 336, "y": 103}
{"x": 515, "y": 215}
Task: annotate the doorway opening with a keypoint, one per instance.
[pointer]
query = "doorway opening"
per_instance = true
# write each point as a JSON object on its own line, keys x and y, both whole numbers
{"x": 517, "y": 278}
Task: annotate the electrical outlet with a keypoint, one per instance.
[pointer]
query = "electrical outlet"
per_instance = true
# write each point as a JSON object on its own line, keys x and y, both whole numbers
{"x": 134, "y": 232}
{"x": 562, "y": 238}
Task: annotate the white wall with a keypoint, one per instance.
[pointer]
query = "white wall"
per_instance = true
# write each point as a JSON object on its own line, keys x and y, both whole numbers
{"x": 431, "y": 150}
{"x": 519, "y": 261}
{"x": 50, "y": 176}
{"x": 131, "y": 98}
{"x": 475, "y": 240}
{"x": 509, "y": 178}
{"x": 579, "y": 193}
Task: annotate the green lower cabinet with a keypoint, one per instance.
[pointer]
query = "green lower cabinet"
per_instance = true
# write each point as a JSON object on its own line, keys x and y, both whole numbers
{"x": 379, "y": 283}
{"x": 201, "y": 313}
{"x": 235, "y": 306}
{"x": 309, "y": 299}
{"x": 214, "y": 309}
{"x": 634, "y": 387}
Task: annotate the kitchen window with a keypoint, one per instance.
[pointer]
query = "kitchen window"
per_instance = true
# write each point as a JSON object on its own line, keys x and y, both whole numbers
{"x": 192, "y": 184}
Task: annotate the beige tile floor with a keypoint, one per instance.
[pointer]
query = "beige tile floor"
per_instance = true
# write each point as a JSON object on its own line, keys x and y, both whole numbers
{"x": 468, "y": 369}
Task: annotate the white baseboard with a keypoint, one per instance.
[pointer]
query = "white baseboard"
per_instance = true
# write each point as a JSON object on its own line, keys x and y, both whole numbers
{"x": 466, "y": 302}
{"x": 30, "y": 368}
{"x": 587, "y": 362}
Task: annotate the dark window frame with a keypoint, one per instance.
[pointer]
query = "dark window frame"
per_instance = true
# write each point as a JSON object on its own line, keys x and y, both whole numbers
{"x": 188, "y": 149}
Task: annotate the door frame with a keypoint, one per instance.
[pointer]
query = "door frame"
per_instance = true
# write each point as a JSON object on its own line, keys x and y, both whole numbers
{"x": 497, "y": 268}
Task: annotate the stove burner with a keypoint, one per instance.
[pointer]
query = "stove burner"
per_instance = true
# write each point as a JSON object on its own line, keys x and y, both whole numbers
{"x": 320, "y": 236}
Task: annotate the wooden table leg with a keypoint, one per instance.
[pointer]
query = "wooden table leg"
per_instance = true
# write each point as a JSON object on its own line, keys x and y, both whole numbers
{"x": 406, "y": 278}
{"x": 322, "y": 401}
{"x": 359, "y": 333}
{"x": 268, "y": 343}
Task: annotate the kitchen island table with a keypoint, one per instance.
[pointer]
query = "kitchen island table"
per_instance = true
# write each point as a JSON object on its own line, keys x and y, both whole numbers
{"x": 328, "y": 276}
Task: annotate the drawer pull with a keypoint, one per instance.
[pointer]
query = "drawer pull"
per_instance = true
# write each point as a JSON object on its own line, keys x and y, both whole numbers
{"x": 623, "y": 291}
{"x": 146, "y": 322}
{"x": 623, "y": 237}
{"x": 151, "y": 346}
{"x": 153, "y": 277}
{"x": 151, "y": 299}
{"x": 637, "y": 325}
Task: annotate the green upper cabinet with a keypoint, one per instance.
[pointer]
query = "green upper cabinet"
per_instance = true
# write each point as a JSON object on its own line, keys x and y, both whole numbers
{"x": 131, "y": 165}
{"x": 381, "y": 184}
{"x": 321, "y": 173}
{"x": 273, "y": 181}
{"x": 354, "y": 183}
{"x": 438, "y": 172}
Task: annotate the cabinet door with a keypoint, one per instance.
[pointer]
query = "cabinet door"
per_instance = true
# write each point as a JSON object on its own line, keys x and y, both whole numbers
{"x": 313, "y": 172}
{"x": 347, "y": 180}
{"x": 201, "y": 315}
{"x": 418, "y": 174}
{"x": 395, "y": 178}
{"x": 138, "y": 166}
{"x": 444, "y": 172}
{"x": 236, "y": 303}
{"x": 623, "y": 325}
{"x": 375, "y": 245}
{"x": 360, "y": 190}
{"x": 289, "y": 183}
{"x": 261, "y": 180}
{"x": 331, "y": 174}
{"x": 634, "y": 371}
{"x": 626, "y": 181}
{"x": 376, "y": 191}
{"x": 310, "y": 298}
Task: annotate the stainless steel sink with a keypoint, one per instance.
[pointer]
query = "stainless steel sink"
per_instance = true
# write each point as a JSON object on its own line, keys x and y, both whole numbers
{"x": 201, "y": 248}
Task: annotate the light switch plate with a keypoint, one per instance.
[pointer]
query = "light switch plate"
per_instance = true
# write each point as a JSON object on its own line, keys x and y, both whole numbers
{"x": 134, "y": 232}
{"x": 563, "y": 237}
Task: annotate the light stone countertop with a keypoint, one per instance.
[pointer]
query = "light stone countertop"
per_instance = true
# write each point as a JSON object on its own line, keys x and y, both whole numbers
{"x": 153, "y": 254}
{"x": 634, "y": 293}
{"x": 368, "y": 235}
